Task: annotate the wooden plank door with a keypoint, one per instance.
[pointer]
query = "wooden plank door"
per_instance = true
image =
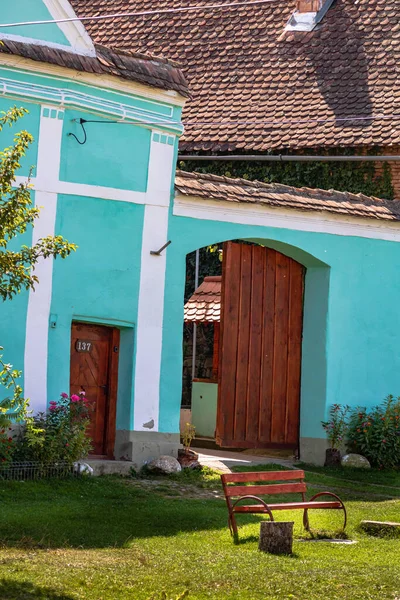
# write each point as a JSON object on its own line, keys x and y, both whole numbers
{"x": 260, "y": 348}
{"x": 94, "y": 371}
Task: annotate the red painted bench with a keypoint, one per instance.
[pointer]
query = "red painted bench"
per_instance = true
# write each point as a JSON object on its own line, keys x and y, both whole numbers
{"x": 294, "y": 483}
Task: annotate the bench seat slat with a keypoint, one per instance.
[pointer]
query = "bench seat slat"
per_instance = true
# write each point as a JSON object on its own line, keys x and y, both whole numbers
{"x": 260, "y": 508}
{"x": 262, "y": 476}
{"x": 265, "y": 490}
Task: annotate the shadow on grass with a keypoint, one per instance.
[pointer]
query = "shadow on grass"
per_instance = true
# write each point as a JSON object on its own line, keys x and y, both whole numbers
{"x": 97, "y": 513}
{"x": 25, "y": 590}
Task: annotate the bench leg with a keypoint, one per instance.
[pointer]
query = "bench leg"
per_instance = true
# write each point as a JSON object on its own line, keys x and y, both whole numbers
{"x": 306, "y": 522}
{"x": 233, "y": 527}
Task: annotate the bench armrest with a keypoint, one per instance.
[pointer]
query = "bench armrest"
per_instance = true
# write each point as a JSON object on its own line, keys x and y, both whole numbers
{"x": 332, "y": 495}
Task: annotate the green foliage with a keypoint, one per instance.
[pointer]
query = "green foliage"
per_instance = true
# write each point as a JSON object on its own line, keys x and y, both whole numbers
{"x": 347, "y": 176}
{"x": 188, "y": 435}
{"x": 375, "y": 433}
{"x": 336, "y": 427}
{"x": 16, "y": 213}
{"x": 13, "y": 408}
{"x": 58, "y": 435}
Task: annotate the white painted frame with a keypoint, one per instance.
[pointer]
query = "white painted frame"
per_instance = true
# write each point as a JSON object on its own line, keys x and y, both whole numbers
{"x": 297, "y": 220}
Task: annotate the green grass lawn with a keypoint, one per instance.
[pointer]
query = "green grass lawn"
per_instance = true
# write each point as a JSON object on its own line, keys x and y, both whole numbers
{"x": 116, "y": 539}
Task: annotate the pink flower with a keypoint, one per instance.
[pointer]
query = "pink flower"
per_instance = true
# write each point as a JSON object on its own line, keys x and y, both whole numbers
{"x": 64, "y": 395}
{"x": 75, "y": 398}
{"x": 67, "y": 444}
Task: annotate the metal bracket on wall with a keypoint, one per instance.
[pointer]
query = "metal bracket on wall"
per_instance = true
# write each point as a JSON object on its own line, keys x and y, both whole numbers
{"x": 81, "y": 123}
{"x": 158, "y": 252}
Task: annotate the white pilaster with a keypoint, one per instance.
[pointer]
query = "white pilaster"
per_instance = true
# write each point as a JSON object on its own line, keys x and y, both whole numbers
{"x": 37, "y": 326}
{"x": 152, "y": 285}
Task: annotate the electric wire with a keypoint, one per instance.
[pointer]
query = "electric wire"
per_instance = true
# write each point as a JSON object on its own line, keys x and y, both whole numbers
{"x": 140, "y": 13}
{"x": 273, "y": 122}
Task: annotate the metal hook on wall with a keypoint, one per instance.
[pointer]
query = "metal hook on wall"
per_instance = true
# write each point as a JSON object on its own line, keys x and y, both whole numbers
{"x": 81, "y": 123}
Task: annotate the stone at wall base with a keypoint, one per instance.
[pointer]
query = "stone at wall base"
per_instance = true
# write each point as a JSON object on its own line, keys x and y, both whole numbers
{"x": 332, "y": 457}
{"x": 276, "y": 537}
{"x": 164, "y": 465}
{"x": 356, "y": 461}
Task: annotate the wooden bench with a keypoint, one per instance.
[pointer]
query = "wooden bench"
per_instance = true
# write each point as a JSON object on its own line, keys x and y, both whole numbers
{"x": 236, "y": 491}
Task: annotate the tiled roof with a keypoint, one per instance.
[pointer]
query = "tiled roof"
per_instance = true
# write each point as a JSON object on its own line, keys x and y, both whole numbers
{"x": 205, "y": 304}
{"x": 241, "y": 66}
{"x": 225, "y": 189}
{"x": 141, "y": 68}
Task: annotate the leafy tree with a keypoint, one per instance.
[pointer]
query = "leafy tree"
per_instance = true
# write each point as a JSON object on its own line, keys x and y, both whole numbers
{"x": 17, "y": 266}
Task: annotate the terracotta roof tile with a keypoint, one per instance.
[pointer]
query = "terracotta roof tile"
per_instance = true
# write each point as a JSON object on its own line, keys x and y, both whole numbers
{"x": 242, "y": 66}
{"x": 205, "y": 304}
{"x": 145, "y": 69}
{"x": 283, "y": 196}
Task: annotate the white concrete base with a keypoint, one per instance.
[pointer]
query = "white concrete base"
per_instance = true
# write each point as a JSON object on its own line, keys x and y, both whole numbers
{"x": 312, "y": 450}
{"x": 140, "y": 447}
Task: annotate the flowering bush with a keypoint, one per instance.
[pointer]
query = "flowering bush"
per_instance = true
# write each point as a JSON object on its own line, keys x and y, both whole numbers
{"x": 60, "y": 435}
{"x": 376, "y": 433}
{"x": 336, "y": 427}
{"x": 6, "y": 447}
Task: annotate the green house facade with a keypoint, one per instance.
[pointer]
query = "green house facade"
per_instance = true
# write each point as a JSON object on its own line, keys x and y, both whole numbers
{"x": 106, "y": 127}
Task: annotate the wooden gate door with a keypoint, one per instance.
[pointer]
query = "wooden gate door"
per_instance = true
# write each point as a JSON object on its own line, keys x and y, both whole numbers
{"x": 260, "y": 348}
{"x": 94, "y": 371}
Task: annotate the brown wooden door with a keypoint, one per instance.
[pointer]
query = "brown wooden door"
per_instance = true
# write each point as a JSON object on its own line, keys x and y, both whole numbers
{"x": 260, "y": 348}
{"x": 94, "y": 371}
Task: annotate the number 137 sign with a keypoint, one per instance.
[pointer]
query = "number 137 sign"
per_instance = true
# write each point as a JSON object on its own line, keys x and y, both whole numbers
{"x": 83, "y": 346}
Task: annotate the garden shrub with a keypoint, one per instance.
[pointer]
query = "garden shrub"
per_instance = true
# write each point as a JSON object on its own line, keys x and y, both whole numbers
{"x": 6, "y": 447}
{"x": 375, "y": 433}
{"x": 59, "y": 435}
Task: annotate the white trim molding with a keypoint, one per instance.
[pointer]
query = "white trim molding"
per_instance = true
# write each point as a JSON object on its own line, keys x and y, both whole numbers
{"x": 267, "y": 216}
{"x": 152, "y": 284}
{"x": 74, "y": 31}
{"x": 150, "y": 320}
{"x": 159, "y": 115}
{"x": 37, "y": 324}
{"x": 110, "y": 83}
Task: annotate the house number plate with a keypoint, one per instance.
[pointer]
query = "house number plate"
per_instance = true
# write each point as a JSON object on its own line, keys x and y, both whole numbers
{"x": 83, "y": 346}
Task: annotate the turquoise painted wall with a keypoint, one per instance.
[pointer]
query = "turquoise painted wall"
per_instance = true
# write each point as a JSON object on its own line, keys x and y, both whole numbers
{"x": 29, "y": 123}
{"x": 99, "y": 283}
{"x": 114, "y": 155}
{"x": 30, "y": 10}
{"x": 204, "y": 408}
{"x": 353, "y": 283}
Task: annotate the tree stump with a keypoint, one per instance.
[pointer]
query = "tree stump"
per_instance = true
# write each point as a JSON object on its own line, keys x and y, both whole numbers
{"x": 381, "y": 528}
{"x": 276, "y": 537}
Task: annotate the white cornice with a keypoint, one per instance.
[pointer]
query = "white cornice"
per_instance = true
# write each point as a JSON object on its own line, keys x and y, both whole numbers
{"x": 106, "y": 82}
{"x": 155, "y": 115}
{"x": 265, "y": 216}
